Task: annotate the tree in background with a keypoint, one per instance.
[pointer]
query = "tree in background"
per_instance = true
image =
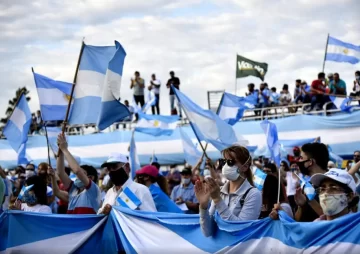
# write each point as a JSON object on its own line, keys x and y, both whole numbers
{"x": 12, "y": 103}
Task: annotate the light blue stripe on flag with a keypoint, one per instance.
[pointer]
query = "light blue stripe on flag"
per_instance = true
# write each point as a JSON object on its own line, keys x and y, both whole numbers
{"x": 156, "y": 125}
{"x": 339, "y": 51}
{"x": 259, "y": 178}
{"x": 191, "y": 153}
{"x": 342, "y": 103}
{"x": 24, "y": 190}
{"x": 128, "y": 199}
{"x": 272, "y": 140}
{"x": 134, "y": 158}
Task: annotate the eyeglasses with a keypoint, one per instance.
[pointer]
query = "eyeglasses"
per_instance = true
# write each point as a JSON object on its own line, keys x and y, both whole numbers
{"x": 330, "y": 190}
{"x": 230, "y": 163}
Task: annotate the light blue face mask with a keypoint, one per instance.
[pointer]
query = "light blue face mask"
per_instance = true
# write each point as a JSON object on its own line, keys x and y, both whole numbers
{"x": 78, "y": 183}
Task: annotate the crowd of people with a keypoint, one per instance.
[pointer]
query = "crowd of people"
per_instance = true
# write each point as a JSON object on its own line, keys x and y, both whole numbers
{"x": 225, "y": 187}
{"x": 316, "y": 94}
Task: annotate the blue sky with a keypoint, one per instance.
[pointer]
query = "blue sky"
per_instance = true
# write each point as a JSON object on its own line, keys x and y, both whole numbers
{"x": 197, "y": 39}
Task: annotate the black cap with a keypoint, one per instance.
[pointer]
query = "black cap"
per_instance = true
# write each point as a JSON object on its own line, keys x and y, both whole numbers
{"x": 186, "y": 171}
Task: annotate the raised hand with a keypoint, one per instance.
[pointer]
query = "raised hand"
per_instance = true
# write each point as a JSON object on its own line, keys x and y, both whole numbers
{"x": 202, "y": 194}
{"x": 62, "y": 143}
{"x": 300, "y": 198}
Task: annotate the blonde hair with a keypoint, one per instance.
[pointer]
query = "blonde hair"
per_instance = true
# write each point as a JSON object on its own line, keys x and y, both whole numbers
{"x": 243, "y": 156}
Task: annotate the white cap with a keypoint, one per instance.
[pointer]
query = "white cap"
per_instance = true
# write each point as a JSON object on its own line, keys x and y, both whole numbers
{"x": 330, "y": 75}
{"x": 337, "y": 175}
{"x": 331, "y": 164}
{"x": 115, "y": 158}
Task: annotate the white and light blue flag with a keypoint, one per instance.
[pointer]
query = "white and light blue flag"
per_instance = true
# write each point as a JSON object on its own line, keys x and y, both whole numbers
{"x": 111, "y": 109}
{"x": 153, "y": 158}
{"x": 207, "y": 125}
{"x": 133, "y": 157}
{"x": 150, "y": 101}
{"x": 272, "y": 140}
{"x": 309, "y": 190}
{"x": 128, "y": 199}
{"x": 259, "y": 178}
{"x": 334, "y": 157}
{"x": 17, "y": 128}
{"x": 91, "y": 81}
{"x": 339, "y": 51}
{"x": 156, "y": 125}
{"x": 232, "y": 107}
{"x": 53, "y": 133}
{"x": 191, "y": 153}
{"x": 342, "y": 103}
{"x": 54, "y": 97}
{"x": 24, "y": 189}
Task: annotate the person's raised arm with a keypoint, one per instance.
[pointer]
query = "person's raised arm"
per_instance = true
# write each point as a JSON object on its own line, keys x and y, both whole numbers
{"x": 60, "y": 167}
{"x": 353, "y": 170}
{"x": 75, "y": 167}
{"x": 62, "y": 195}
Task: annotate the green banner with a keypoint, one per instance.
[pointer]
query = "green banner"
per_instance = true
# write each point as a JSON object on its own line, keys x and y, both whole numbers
{"x": 246, "y": 67}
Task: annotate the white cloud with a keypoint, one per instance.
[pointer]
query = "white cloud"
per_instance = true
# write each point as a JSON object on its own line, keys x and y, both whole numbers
{"x": 200, "y": 46}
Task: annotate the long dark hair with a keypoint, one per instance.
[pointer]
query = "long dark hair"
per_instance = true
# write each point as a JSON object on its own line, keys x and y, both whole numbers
{"x": 270, "y": 192}
{"x": 39, "y": 188}
{"x": 243, "y": 156}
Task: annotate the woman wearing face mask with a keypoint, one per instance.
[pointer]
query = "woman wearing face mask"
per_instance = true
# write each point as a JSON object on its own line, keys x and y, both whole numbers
{"x": 157, "y": 184}
{"x": 35, "y": 199}
{"x": 237, "y": 200}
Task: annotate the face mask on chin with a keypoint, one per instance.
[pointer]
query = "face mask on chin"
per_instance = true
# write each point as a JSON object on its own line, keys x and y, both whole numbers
{"x": 118, "y": 177}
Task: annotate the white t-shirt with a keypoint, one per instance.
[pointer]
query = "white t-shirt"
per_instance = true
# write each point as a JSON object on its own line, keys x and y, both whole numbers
{"x": 285, "y": 97}
{"x": 154, "y": 88}
{"x": 291, "y": 184}
{"x": 35, "y": 208}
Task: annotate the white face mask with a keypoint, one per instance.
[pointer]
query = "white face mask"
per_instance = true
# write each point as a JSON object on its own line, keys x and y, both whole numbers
{"x": 230, "y": 173}
{"x": 332, "y": 204}
{"x": 185, "y": 181}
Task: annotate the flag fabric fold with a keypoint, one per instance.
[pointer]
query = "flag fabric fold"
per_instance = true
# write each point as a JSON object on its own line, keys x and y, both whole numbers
{"x": 342, "y": 103}
{"x": 53, "y": 97}
{"x": 156, "y": 125}
{"x": 17, "y": 128}
{"x": 207, "y": 125}
{"x": 339, "y": 51}
{"x": 259, "y": 179}
{"x": 191, "y": 153}
{"x": 272, "y": 140}
{"x": 150, "y": 101}
{"x": 133, "y": 157}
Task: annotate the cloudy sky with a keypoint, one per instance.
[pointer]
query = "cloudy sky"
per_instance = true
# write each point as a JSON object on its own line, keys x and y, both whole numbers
{"x": 197, "y": 39}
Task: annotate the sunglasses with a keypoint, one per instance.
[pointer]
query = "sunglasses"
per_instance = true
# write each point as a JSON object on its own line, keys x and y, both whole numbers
{"x": 230, "y": 163}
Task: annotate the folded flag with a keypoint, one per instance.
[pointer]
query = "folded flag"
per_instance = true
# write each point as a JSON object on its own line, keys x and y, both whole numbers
{"x": 53, "y": 97}
{"x": 272, "y": 140}
{"x": 259, "y": 178}
{"x": 206, "y": 124}
{"x": 232, "y": 107}
{"x": 24, "y": 189}
{"x": 128, "y": 199}
{"x": 342, "y": 103}
{"x": 150, "y": 101}
{"x": 339, "y": 51}
{"x": 17, "y": 128}
{"x": 134, "y": 158}
{"x": 191, "y": 153}
{"x": 156, "y": 125}
{"x": 100, "y": 69}
{"x": 111, "y": 109}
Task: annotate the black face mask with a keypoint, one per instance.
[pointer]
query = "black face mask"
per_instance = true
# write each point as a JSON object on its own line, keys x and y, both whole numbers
{"x": 118, "y": 177}
{"x": 304, "y": 170}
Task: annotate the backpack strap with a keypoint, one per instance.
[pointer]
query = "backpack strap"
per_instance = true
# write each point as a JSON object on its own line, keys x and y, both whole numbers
{"x": 242, "y": 200}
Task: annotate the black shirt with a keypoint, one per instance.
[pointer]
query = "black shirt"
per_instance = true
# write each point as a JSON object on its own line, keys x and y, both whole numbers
{"x": 308, "y": 214}
{"x": 175, "y": 81}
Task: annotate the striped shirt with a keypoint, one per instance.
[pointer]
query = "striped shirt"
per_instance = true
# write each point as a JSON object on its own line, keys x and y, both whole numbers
{"x": 86, "y": 202}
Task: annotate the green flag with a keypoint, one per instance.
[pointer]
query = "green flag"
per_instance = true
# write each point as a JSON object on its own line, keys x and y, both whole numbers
{"x": 246, "y": 67}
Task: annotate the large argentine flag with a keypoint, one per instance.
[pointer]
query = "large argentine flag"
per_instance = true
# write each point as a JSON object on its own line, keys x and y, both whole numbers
{"x": 17, "y": 128}
{"x": 342, "y": 103}
{"x": 156, "y": 125}
{"x": 232, "y": 107}
{"x": 272, "y": 140}
{"x": 90, "y": 81}
{"x": 157, "y": 232}
{"x": 53, "y": 97}
{"x": 339, "y": 51}
{"x": 191, "y": 154}
{"x": 40, "y": 233}
{"x": 207, "y": 125}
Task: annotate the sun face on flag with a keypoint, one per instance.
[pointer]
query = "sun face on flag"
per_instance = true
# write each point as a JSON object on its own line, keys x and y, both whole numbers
{"x": 127, "y": 200}
{"x": 156, "y": 123}
{"x": 346, "y": 51}
{"x": 67, "y": 97}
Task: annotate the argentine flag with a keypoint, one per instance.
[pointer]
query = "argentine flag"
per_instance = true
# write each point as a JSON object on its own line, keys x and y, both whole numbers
{"x": 54, "y": 97}
{"x": 128, "y": 199}
{"x": 100, "y": 68}
{"x": 259, "y": 179}
{"x": 207, "y": 125}
{"x": 23, "y": 190}
{"x": 134, "y": 158}
{"x": 339, "y": 51}
{"x": 342, "y": 103}
{"x": 308, "y": 189}
{"x": 150, "y": 101}
{"x": 191, "y": 154}
{"x": 156, "y": 125}
{"x": 232, "y": 107}
{"x": 17, "y": 128}
{"x": 53, "y": 133}
{"x": 272, "y": 140}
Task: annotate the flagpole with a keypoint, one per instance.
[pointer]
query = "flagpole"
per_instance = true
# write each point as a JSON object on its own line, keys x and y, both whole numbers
{"x": 326, "y": 48}
{"x": 46, "y": 133}
{"x": 73, "y": 86}
{"x": 235, "y": 74}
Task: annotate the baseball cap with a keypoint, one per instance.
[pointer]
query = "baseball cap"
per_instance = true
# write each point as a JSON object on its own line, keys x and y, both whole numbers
{"x": 115, "y": 158}
{"x": 337, "y": 175}
{"x": 186, "y": 171}
{"x": 148, "y": 170}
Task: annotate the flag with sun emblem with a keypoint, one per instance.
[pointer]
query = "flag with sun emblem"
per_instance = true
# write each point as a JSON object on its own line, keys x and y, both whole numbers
{"x": 128, "y": 199}
{"x": 156, "y": 125}
{"x": 339, "y": 51}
